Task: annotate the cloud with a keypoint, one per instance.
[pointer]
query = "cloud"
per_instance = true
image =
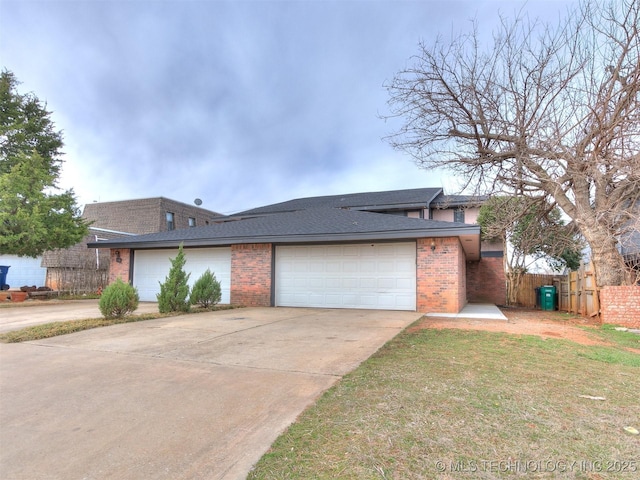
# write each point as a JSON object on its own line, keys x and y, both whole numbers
{"x": 239, "y": 103}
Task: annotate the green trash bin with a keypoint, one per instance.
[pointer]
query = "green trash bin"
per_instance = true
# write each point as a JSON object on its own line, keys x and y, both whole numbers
{"x": 548, "y": 297}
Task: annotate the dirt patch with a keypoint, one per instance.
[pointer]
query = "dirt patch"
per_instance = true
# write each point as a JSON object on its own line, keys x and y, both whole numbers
{"x": 524, "y": 322}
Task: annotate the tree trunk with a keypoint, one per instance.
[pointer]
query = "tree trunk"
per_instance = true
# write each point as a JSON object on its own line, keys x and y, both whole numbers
{"x": 608, "y": 263}
{"x": 514, "y": 281}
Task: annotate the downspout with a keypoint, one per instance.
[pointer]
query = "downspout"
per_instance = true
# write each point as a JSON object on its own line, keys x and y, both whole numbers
{"x": 97, "y": 252}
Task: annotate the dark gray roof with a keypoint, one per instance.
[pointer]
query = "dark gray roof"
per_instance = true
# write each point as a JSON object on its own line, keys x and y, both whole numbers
{"x": 448, "y": 201}
{"x": 311, "y": 225}
{"x": 395, "y": 199}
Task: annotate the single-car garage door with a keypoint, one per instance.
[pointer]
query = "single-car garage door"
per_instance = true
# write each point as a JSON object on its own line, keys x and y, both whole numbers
{"x": 375, "y": 276}
{"x": 150, "y": 267}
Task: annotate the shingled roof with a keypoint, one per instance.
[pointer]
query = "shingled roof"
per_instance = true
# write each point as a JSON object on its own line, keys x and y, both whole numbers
{"x": 311, "y": 225}
{"x": 354, "y": 217}
{"x": 78, "y": 256}
{"x": 394, "y": 199}
{"x": 449, "y": 201}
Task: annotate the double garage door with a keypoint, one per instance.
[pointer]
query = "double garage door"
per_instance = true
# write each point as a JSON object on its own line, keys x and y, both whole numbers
{"x": 374, "y": 276}
{"x": 150, "y": 267}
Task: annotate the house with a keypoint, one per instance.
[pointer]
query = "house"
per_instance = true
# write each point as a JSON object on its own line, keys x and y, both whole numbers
{"x": 81, "y": 270}
{"x": 380, "y": 250}
{"x": 629, "y": 243}
{"x": 146, "y": 215}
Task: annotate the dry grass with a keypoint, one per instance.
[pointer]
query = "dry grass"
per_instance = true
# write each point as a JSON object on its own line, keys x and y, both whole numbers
{"x": 466, "y": 404}
{"x": 47, "y": 330}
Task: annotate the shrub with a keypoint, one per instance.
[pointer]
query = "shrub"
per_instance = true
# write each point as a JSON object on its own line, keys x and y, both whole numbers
{"x": 206, "y": 291}
{"x": 118, "y": 300}
{"x": 175, "y": 289}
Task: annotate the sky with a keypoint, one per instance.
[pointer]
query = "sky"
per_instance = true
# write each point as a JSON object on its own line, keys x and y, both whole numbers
{"x": 237, "y": 103}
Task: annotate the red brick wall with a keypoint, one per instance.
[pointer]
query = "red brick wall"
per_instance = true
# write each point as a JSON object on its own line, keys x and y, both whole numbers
{"x": 441, "y": 279}
{"x": 620, "y": 306}
{"x": 486, "y": 281}
{"x": 119, "y": 269}
{"x": 251, "y": 274}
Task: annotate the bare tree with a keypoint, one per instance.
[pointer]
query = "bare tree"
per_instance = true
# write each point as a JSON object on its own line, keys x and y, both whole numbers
{"x": 549, "y": 111}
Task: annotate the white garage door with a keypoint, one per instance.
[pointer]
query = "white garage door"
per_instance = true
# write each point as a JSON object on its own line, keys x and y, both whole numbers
{"x": 150, "y": 267}
{"x": 374, "y": 276}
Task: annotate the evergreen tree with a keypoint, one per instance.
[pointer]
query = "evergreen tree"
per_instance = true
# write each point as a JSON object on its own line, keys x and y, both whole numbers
{"x": 175, "y": 289}
{"x": 118, "y": 300}
{"x": 206, "y": 291}
{"x": 34, "y": 218}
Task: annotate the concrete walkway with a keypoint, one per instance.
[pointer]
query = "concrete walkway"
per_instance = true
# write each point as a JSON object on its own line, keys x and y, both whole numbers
{"x": 199, "y": 396}
{"x": 485, "y": 311}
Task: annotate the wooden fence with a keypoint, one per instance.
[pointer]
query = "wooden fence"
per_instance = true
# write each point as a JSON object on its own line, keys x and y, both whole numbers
{"x": 77, "y": 280}
{"x": 577, "y": 291}
{"x": 526, "y": 296}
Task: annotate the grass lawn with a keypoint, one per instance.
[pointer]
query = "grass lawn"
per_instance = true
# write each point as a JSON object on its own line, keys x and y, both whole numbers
{"x": 466, "y": 404}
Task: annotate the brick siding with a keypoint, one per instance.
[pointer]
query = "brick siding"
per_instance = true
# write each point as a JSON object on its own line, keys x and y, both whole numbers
{"x": 620, "y": 306}
{"x": 486, "y": 281}
{"x": 251, "y": 266}
{"x": 440, "y": 276}
{"x": 146, "y": 215}
{"x": 120, "y": 269}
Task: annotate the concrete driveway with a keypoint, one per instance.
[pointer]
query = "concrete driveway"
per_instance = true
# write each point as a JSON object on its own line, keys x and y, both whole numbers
{"x": 199, "y": 396}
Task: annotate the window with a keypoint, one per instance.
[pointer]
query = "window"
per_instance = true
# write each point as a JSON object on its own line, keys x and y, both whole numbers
{"x": 192, "y": 222}
{"x": 458, "y": 215}
{"x": 170, "y": 221}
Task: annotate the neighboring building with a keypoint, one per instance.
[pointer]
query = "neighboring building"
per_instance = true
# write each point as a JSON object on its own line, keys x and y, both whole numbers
{"x": 380, "y": 250}
{"x": 146, "y": 215}
{"x": 630, "y": 246}
{"x": 24, "y": 271}
{"x": 456, "y": 208}
{"x": 79, "y": 269}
